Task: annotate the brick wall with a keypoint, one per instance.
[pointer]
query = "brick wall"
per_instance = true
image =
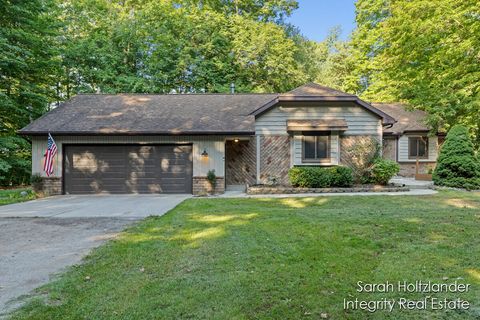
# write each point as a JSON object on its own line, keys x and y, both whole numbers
{"x": 390, "y": 149}
{"x": 274, "y": 159}
{"x": 349, "y": 143}
{"x": 408, "y": 169}
{"x": 201, "y": 186}
{"x": 240, "y": 162}
{"x": 49, "y": 186}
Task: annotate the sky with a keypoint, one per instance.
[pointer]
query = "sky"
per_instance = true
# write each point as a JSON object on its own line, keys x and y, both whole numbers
{"x": 316, "y": 17}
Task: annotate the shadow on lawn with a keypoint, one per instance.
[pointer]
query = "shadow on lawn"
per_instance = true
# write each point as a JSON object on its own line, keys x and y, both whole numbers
{"x": 200, "y": 228}
{"x": 215, "y": 223}
{"x": 216, "y": 220}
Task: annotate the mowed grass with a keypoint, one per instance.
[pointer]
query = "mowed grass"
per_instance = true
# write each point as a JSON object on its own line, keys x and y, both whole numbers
{"x": 9, "y": 196}
{"x": 294, "y": 258}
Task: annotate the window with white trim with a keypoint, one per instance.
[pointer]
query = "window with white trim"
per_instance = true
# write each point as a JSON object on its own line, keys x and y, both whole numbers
{"x": 418, "y": 147}
{"x": 316, "y": 148}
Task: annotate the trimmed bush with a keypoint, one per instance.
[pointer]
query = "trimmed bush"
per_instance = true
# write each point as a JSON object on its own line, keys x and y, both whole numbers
{"x": 457, "y": 164}
{"x": 383, "y": 170}
{"x": 342, "y": 176}
{"x": 320, "y": 177}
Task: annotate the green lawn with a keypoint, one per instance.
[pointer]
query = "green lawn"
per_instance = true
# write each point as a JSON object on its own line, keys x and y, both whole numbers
{"x": 295, "y": 258}
{"x": 9, "y": 196}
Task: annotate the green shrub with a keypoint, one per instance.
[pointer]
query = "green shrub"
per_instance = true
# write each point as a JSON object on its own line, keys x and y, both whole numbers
{"x": 212, "y": 178}
{"x": 342, "y": 176}
{"x": 457, "y": 164}
{"x": 15, "y": 161}
{"x": 383, "y": 170}
{"x": 36, "y": 178}
{"x": 319, "y": 177}
{"x": 360, "y": 155}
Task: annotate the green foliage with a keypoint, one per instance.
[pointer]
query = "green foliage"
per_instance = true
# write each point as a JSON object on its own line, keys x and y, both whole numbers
{"x": 15, "y": 161}
{"x": 52, "y": 49}
{"x": 10, "y": 196}
{"x": 457, "y": 164}
{"x": 319, "y": 177}
{"x": 29, "y": 66}
{"x": 36, "y": 179}
{"x": 341, "y": 176}
{"x": 360, "y": 156}
{"x": 160, "y": 46}
{"x": 383, "y": 170}
{"x": 424, "y": 53}
{"x": 212, "y": 178}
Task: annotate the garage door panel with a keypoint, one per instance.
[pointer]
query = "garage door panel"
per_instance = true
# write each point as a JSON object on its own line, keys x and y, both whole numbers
{"x": 128, "y": 169}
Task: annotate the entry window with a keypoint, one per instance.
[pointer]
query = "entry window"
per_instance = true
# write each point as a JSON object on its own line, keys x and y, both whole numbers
{"x": 316, "y": 148}
{"x": 418, "y": 147}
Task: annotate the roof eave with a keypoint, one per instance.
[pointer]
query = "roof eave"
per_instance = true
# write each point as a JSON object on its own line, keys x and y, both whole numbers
{"x": 137, "y": 133}
{"x": 264, "y": 108}
{"x": 386, "y": 119}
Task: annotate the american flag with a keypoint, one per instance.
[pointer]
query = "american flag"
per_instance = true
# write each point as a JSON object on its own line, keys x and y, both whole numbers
{"x": 49, "y": 155}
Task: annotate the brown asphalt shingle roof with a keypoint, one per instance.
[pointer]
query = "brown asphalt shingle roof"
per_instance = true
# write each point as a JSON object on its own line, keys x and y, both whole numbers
{"x": 152, "y": 114}
{"x": 130, "y": 114}
{"x": 314, "y": 89}
{"x": 407, "y": 121}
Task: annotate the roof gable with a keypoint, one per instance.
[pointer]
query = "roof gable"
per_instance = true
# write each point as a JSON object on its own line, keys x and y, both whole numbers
{"x": 312, "y": 92}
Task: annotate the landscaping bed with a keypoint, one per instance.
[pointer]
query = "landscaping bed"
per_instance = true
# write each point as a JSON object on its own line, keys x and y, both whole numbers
{"x": 262, "y": 189}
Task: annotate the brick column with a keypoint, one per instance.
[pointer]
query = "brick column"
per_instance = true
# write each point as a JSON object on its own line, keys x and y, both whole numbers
{"x": 202, "y": 187}
{"x": 49, "y": 186}
{"x": 274, "y": 158}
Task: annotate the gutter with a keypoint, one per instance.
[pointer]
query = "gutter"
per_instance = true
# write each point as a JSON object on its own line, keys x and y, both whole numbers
{"x": 137, "y": 133}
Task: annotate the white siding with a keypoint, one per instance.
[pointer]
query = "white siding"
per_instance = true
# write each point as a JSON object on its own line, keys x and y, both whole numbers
{"x": 403, "y": 149}
{"x": 297, "y": 150}
{"x": 359, "y": 120}
{"x": 214, "y": 145}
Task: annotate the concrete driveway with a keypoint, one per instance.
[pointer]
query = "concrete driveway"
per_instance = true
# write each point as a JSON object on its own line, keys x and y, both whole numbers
{"x": 40, "y": 238}
{"x": 89, "y": 206}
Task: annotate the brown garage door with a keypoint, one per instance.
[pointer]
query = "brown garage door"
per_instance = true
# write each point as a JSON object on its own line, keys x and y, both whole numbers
{"x": 127, "y": 169}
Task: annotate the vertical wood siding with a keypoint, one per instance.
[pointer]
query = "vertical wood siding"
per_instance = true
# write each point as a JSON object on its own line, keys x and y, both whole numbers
{"x": 214, "y": 145}
{"x": 403, "y": 149}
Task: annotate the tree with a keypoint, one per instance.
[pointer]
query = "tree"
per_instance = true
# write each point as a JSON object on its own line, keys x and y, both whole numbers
{"x": 28, "y": 76}
{"x": 336, "y": 63}
{"x": 424, "y": 53}
{"x": 457, "y": 165}
{"x": 188, "y": 46}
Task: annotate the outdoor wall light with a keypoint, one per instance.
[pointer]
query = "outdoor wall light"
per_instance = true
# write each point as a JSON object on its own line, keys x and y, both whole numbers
{"x": 204, "y": 153}
{"x": 236, "y": 140}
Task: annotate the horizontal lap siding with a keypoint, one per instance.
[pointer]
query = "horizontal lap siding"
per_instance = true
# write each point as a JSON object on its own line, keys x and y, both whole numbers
{"x": 334, "y": 150}
{"x": 214, "y": 145}
{"x": 359, "y": 120}
{"x": 403, "y": 149}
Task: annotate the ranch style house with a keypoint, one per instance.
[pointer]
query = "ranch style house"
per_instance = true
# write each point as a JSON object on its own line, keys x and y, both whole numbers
{"x": 167, "y": 143}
